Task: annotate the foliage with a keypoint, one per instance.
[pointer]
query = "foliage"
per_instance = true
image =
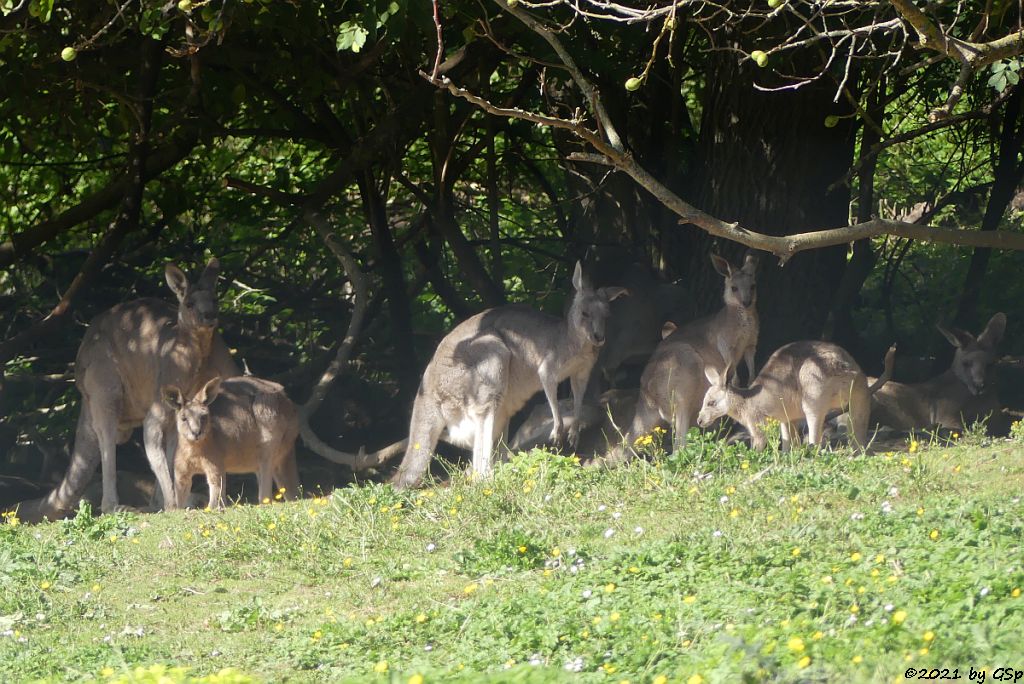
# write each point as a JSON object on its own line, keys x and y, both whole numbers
{"x": 761, "y": 566}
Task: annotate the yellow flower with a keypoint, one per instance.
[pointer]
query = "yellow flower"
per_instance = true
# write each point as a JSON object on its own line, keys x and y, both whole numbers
{"x": 795, "y": 644}
{"x": 44, "y": 585}
{"x": 96, "y": 588}
{"x": 416, "y": 679}
{"x": 694, "y": 679}
{"x": 920, "y": 511}
{"x": 1015, "y": 593}
{"x": 556, "y": 552}
{"x": 855, "y": 556}
{"x": 857, "y": 659}
{"x": 803, "y": 662}
{"x": 614, "y": 617}
{"x": 854, "y": 608}
{"x": 107, "y": 671}
{"x": 347, "y": 563}
{"x": 662, "y": 679}
{"x": 522, "y": 549}
{"x": 956, "y": 468}
{"x": 898, "y": 617}
{"x": 609, "y": 668}
{"x": 795, "y": 552}
{"x": 609, "y": 588}
{"x": 827, "y": 579}
{"x": 316, "y": 635}
{"x": 266, "y": 499}
{"x": 689, "y": 599}
{"x": 817, "y": 635}
{"x": 421, "y": 618}
{"x": 272, "y": 526}
{"x": 734, "y": 513}
{"x": 933, "y": 535}
{"x": 879, "y": 558}
{"x": 923, "y": 651}
{"x": 381, "y": 667}
{"x": 913, "y": 446}
{"x": 470, "y": 589}
{"x": 929, "y": 635}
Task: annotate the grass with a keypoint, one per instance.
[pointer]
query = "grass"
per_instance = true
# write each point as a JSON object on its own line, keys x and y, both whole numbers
{"x": 714, "y": 564}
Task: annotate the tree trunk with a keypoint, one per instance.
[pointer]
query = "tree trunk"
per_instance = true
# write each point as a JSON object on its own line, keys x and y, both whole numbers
{"x": 767, "y": 160}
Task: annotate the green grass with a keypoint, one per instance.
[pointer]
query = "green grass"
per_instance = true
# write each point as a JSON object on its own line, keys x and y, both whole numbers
{"x": 716, "y": 562}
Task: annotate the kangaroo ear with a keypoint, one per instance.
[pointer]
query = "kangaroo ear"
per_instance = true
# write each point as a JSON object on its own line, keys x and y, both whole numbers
{"x": 993, "y": 332}
{"x": 172, "y": 397}
{"x": 209, "y": 391}
{"x": 208, "y": 280}
{"x": 750, "y": 263}
{"x": 729, "y": 376}
{"x": 723, "y": 267}
{"x": 612, "y": 293}
{"x": 711, "y": 373}
{"x": 957, "y": 337}
{"x": 176, "y": 280}
{"x": 667, "y": 329}
{"x": 577, "y": 277}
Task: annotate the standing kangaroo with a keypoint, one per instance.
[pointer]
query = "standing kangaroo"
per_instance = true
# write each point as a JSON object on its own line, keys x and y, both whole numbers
{"x": 486, "y": 369}
{"x": 954, "y": 398}
{"x": 800, "y": 380}
{"x": 128, "y": 353}
{"x": 238, "y": 425}
{"x": 673, "y": 382}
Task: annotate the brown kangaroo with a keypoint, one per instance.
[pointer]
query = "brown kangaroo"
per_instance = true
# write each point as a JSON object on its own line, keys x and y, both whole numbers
{"x": 486, "y": 369}
{"x": 128, "y": 353}
{"x": 238, "y": 425}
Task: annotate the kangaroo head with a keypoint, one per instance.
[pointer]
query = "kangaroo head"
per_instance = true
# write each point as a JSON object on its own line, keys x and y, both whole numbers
{"x": 588, "y": 314}
{"x": 974, "y": 356}
{"x": 197, "y": 303}
{"x": 740, "y": 283}
{"x": 192, "y": 416}
{"x": 717, "y": 400}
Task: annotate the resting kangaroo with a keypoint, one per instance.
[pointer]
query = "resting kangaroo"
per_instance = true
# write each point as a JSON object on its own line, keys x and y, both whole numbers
{"x": 486, "y": 369}
{"x": 128, "y": 353}
{"x": 673, "y": 381}
{"x": 958, "y": 396}
{"x": 239, "y": 425}
{"x": 800, "y": 380}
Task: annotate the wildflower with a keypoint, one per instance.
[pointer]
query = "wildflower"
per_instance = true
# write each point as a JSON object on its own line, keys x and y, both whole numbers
{"x": 803, "y": 662}
{"x": 933, "y": 535}
{"x": 827, "y": 579}
{"x": 430, "y": 547}
{"x": 913, "y": 446}
{"x": 470, "y": 589}
{"x": 522, "y": 549}
{"x": 638, "y": 530}
{"x": 795, "y": 644}
{"x": 795, "y": 552}
{"x": 317, "y": 635}
{"x": 662, "y": 679}
{"x": 421, "y": 618}
{"x": 95, "y": 588}
{"x": 1015, "y": 593}
{"x": 716, "y": 534}
{"x": 898, "y": 617}
{"x": 614, "y": 617}
{"x": 920, "y": 511}
{"x": 609, "y": 588}
{"x": 266, "y": 499}
{"x": 929, "y": 635}
{"x": 734, "y": 513}
{"x": 44, "y": 585}
{"x": 608, "y": 533}
{"x": 381, "y": 667}
{"x": 271, "y": 526}
{"x": 416, "y": 679}
{"x": 984, "y": 591}
{"x": 817, "y": 636}
{"x": 857, "y": 659}
{"x": 855, "y": 608}
{"x": 689, "y": 599}
{"x": 694, "y": 679}
{"x": 556, "y": 552}
{"x": 347, "y": 562}
{"x": 855, "y": 556}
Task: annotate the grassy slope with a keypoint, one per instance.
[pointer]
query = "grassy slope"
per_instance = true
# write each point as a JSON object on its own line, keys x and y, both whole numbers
{"x": 631, "y": 574}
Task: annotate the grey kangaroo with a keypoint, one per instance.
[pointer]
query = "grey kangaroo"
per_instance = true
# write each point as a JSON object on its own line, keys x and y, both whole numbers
{"x": 959, "y": 395}
{"x": 673, "y": 382}
{"x": 804, "y": 379}
{"x": 486, "y": 369}
{"x": 128, "y": 353}
{"x": 238, "y": 425}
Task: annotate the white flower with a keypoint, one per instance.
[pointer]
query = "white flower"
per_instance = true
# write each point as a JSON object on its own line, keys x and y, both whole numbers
{"x": 608, "y": 533}
{"x": 886, "y": 508}
{"x": 430, "y": 547}
{"x": 894, "y": 492}
{"x": 716, "y": 533}
{"x": 547, "y": 497}
{"x": 428, "y": 647}
{"x": 888, "y": 607}
{"x": 857, "y": 516}
{"x": 536, "y": 660}
{"x": 587, "y": 593}
{"x": 852, "y": 620}
{"x": 984, "y": 591}
{"x": 616, "y": 515}
{"x": 575, "y": 665}
{"x": 724, "y": 499}
{"x": 638, "y": 530}
{"x": 601, "y": 508}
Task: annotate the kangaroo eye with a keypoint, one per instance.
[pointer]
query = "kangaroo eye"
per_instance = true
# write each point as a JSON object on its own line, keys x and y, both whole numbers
{"x": 735, "y": 289}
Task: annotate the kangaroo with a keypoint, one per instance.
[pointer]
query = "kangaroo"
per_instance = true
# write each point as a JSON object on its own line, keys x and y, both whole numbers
{"x": 128, "y": 353}
{"x": 486, "y": 369}
{"x": 673, "y": 381}
{"x": 238, "y": 425}
{"x": 800, "y": 380}
{"x": 958, "y": 396}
